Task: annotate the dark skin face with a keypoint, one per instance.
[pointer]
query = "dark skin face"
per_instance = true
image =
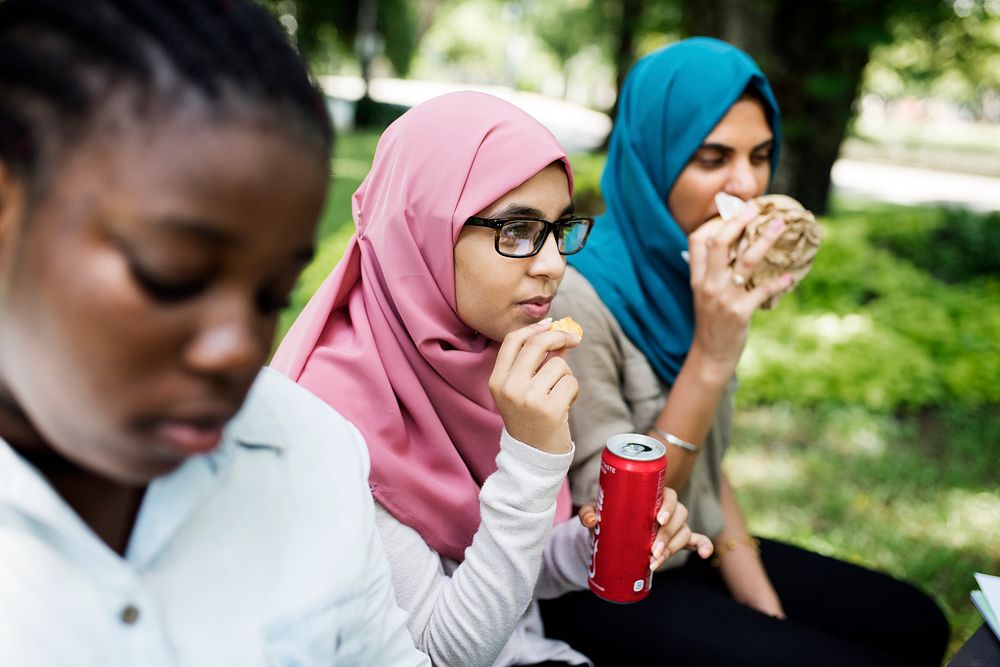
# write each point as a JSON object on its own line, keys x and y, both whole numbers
{"x": 139, "y": 297}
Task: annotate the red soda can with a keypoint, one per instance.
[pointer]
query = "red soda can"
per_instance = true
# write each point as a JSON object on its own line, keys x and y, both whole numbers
{"x": 633, "y": 468}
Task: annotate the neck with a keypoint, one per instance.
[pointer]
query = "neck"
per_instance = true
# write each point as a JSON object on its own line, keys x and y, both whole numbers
{"x": 15, "y": 427}
{"x": 107, "y": 506}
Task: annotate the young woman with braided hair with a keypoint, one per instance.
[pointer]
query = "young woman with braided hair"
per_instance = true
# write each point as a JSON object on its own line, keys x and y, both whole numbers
{"x": 162, "y": 501}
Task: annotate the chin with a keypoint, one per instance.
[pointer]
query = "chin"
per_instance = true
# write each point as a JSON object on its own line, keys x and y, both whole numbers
{"x": 499, "y": 333}
{"x": 136, "y": 471}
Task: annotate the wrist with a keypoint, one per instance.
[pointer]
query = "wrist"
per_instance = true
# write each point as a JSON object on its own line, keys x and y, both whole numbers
{"x": 671, "y": 439}
{"x": 548, "y": 441}
{"x": 728, "y": 545}
{"x": 710, "y": 372}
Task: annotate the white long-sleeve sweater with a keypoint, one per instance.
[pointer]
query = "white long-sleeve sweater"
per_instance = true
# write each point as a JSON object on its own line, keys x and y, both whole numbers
{"x": 481, "y": 611}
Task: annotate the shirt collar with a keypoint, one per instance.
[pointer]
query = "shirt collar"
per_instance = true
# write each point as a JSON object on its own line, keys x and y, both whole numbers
{"x": 255, "y": 427}
{"x": 23, "y": 487}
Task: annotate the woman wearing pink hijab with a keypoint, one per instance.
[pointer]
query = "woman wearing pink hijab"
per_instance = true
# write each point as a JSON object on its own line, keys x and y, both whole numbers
{"x": 429, "y": 336}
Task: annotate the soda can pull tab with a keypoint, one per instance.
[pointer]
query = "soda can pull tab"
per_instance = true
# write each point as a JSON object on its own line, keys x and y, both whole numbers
{"x": 728, "y": 205}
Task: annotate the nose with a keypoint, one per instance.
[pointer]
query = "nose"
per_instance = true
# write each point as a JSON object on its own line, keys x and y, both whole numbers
{"x": 742, "y": 181}
{"x": 232, "y": 344}
{"x": 548, "y": 262}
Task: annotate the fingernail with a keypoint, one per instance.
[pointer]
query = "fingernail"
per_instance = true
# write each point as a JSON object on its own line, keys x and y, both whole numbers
{"x": 658, "y": 548}
{"x": 546, "y": 322}
{"x": 777, "y": 225}
{"x": 786, "y": 279}
{"x": 662, "y": 517}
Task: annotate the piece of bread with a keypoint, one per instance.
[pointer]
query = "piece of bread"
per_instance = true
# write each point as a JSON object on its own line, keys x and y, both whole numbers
{"x": 792, "y": 253}
{"x": 569, "y": 325}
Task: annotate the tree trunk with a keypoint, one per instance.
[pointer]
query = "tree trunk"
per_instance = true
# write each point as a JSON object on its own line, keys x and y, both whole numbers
{"x": 814, "y": 55}
{"x": 366, "y": 39}
{"x": 624, "y": 56}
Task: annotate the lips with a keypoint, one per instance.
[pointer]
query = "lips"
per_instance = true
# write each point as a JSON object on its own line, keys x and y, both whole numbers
{"x": 190, "y": 438}
{"x": 194, "y": 431}
{"x": 536, "y": 307}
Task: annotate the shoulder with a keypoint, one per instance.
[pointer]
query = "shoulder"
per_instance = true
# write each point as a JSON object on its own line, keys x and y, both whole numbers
{"x": 576, "y": 291}
{"x": 578, "y": 299}
{"x": 302, "y": 423}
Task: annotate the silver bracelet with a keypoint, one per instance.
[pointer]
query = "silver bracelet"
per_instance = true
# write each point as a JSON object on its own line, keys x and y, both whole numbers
{"x": 674, "y": 440}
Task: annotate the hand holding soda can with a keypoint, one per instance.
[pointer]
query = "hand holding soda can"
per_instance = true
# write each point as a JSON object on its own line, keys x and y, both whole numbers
{"x": 628, "y": 519}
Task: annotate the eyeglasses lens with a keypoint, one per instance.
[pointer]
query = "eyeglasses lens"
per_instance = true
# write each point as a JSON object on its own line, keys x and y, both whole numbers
{"x": 573, "y": 236}
{"x": 519, "y": 237}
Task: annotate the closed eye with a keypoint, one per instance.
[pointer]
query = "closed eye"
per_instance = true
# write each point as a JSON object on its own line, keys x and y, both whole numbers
{"x": 166, "y": 290}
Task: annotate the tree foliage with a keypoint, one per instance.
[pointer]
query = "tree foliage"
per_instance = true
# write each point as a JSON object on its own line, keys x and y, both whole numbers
{"x": 322, "y": 24}
{"x": 818, "y": 56}
{"x": 957, "y": 59}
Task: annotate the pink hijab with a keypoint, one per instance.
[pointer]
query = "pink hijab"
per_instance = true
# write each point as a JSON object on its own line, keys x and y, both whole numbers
{"x": 381, "y": 340}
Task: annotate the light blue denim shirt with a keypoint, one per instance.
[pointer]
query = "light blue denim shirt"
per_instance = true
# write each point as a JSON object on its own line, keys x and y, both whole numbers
{"x": 263, "y": 552}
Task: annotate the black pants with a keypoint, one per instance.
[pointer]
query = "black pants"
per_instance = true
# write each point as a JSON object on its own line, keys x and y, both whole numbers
{"x": 838, "y": 614}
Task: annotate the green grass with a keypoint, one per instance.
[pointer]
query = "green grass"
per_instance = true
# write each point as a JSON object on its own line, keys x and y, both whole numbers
{"x": 869, "y": 421}
{"x": 354, "y": 153}
{"x": 913, "y": 496}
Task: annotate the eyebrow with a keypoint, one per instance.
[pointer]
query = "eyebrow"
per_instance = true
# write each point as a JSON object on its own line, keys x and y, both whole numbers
{"x": 514, "y": 209}
{"x": 209, "y": 233}
{"x": 722, "y": 148}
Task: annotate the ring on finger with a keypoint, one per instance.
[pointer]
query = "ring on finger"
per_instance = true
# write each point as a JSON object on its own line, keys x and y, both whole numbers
{"x": 738, "y": 279}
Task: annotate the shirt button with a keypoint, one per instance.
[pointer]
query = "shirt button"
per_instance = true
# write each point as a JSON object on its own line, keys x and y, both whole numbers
{"x": 129, "y": 615}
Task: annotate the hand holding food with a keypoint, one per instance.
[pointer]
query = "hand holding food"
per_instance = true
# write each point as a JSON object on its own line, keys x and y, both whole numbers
{"x": 569, "y": 325}
{"x": 792, "y": 253}
{"x": 534, "y": 387}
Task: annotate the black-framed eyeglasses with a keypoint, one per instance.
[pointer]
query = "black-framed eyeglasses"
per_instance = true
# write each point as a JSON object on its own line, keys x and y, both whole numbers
{"x": 524, "y": 237}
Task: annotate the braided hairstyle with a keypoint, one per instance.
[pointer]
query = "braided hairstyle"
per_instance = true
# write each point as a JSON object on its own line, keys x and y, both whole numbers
{"x": 61, "y": 60}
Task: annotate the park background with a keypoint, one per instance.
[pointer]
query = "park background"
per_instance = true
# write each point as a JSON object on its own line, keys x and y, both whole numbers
{"x": 869, "y": 421}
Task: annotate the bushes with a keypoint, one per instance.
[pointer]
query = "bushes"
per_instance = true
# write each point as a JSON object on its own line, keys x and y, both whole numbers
{"x": 952, "y": 244}
{"x": 379, "y": 115}
{"x": 876, "y": 327}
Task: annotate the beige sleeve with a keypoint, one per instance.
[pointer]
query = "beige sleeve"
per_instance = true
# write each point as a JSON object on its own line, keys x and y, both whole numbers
{"x": 600, "y": 410}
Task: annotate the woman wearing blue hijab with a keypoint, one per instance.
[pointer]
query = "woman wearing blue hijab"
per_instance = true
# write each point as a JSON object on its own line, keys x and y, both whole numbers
{"x": 666, "y": 319}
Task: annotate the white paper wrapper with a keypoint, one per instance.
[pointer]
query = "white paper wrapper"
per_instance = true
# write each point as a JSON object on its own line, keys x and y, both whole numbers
{"x": 728, "y": 205}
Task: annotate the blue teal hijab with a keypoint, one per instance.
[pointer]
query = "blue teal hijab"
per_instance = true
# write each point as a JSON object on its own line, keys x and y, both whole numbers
{"x": 671, "y": 100}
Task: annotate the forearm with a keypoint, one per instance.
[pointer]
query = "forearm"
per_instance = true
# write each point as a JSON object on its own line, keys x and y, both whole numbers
{"x": 738, "y": 557}
{"x": 383, "y": 618}
{"x": 565, "y": 560}
{"x": 735, "y": 525}
{"x": 689, "y": 414}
